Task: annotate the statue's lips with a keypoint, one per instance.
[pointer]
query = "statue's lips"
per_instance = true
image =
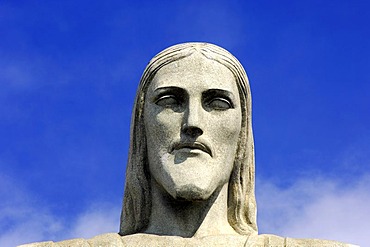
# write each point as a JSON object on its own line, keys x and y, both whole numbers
{"x": 192, "y": 145}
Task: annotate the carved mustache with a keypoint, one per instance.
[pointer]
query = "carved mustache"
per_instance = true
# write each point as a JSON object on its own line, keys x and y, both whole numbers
{"x": 192, "y": 145}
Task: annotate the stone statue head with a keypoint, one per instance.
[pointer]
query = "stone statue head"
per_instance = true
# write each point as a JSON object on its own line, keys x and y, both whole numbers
{"x": 241, "y": 204}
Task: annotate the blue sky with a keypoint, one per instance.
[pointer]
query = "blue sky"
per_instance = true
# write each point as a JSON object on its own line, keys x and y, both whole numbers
{"x": 69, "y": 72}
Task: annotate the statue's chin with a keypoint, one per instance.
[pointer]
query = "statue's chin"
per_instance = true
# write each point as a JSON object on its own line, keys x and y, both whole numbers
{"x": 191, "y": 192}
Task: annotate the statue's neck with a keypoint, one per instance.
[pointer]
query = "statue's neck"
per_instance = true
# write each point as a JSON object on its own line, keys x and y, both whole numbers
{"x": 189, "y": 219}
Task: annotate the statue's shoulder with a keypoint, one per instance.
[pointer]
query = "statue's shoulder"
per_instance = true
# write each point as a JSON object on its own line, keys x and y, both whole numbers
{"x": 136, "y": 240}
{"x": 108, "y": 239}
{"x": 149, "y": 240}
{"x": 273, "y": 240}
{"x": 264, "y": 240}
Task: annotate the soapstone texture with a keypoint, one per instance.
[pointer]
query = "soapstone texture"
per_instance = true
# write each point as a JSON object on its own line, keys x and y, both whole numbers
{"x": 190, "y": 175}
{"x": 139, "y": 240}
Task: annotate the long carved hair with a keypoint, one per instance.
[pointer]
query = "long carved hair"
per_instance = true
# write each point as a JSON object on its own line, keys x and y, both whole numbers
{"x": 242, "y": 206}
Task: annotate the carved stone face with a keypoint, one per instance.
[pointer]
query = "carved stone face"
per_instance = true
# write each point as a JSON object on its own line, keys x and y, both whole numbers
{"x": 192, "y": 118}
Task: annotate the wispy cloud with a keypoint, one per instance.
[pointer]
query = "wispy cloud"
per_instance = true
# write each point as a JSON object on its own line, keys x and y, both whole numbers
{"x": 24, "y": 219}
{"x": 21, "y": 220}
{"x": 317, "y": 208}
{"x": 99, "y": 218}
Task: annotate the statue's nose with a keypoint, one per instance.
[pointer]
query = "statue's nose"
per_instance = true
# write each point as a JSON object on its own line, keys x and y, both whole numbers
{"x": 192, "y": 121}
{"x": 192, "y": 131}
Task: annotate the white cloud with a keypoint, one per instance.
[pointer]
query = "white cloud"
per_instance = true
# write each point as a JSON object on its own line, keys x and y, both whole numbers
{"x": 24, "y": 220}
{"x": 316, "y": 208}
{"x": 98, "y": 219}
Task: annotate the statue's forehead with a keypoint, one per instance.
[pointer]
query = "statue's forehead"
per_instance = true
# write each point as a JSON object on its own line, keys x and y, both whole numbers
{"x": 195, "y": 69}
{"x": 195, "y": 62}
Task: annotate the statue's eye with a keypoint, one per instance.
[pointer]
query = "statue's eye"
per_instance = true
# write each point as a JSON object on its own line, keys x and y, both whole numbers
{"x": 168, "y": 101}
{"x": 219, "y": 104}
{"x": 218, "y": 99}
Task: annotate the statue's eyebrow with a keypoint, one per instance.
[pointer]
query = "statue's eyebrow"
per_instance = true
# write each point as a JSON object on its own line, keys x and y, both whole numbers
{"x": 176, "y": 91}
{"x": 210, "y": 93}
{"x": 161, "y": 90}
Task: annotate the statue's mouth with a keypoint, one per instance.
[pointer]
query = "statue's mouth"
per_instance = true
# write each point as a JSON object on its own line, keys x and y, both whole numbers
{"x": 192, "y": 145}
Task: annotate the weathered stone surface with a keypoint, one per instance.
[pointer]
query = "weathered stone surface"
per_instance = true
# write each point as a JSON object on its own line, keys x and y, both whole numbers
{"x": 190, "y": 175}
{"x": 139, "y": 240}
